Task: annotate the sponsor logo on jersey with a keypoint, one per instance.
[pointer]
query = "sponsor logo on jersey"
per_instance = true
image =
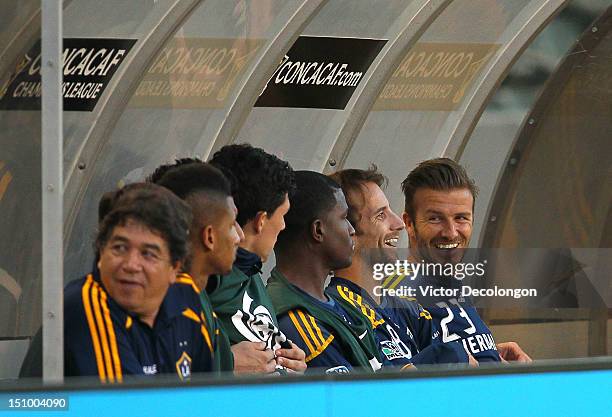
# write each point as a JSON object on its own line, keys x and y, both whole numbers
{"x": 393, "y": 351}
{"x": 183, "y": 367}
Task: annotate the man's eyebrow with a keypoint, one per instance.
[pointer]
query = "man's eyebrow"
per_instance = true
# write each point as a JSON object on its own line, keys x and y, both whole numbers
{"x": 433, "y": 211}
{"x": 378, "y": 210}
{"x": 123, "y": 239}
{"x": 152, "y": 246}
{"x": 463, "y": 213}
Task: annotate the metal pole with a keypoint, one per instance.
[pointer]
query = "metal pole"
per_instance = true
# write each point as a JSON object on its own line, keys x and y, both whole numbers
{"x": 52, "y": 192}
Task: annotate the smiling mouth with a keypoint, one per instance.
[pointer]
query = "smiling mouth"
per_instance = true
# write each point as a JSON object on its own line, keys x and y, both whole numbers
{"x": 447, "y": 246}
{"x": 129, "y": 283}
{"x": 391, "y": 242}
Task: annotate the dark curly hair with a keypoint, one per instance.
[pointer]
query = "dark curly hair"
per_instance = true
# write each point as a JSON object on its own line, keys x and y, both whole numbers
{"x": 154, "y": 206}
{"x": 259, "y": 180}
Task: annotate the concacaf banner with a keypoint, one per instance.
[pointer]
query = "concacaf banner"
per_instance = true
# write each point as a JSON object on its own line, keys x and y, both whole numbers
{"x": 434, "y": 76}
{"x": 320, "y": 72}
{"x": 88, "y": 66}
{"x": 195, "y": 73}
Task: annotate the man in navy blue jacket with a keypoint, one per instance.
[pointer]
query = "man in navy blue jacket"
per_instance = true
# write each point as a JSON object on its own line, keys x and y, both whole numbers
{"x": 131, "y": 315}
{"x": 404, "y": 333}
{"x": 439, "y": 208}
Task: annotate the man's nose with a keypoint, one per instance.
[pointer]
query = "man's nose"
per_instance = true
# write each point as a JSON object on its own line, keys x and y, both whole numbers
{"x": 132, "y": 261}
{"x": 397, "y": 223}
{"x": 351, "y": 229}
{"x": 449, "y": 231}
{"x": 240, "y": 232}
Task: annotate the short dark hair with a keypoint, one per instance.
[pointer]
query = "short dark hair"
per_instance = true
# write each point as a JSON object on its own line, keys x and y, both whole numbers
{"x": 105, "y": 205}
{"x": 259, "y": 180}
{"x": 163, "y": 169}
{"x": 314, "y": 195}
{"x": 153, "y": 206}
{"x": 188, "y": 178}
{"x": 202, "y": 186}
{"x": 441, "y": 174}
{"x": 352, "y": 181}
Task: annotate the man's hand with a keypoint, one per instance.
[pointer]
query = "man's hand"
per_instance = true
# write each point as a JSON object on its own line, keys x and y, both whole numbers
{"x": 511, "y": 351}
{"x": 293, "y": 359}
{"x": 472, "y": 362}
{"x": 253, "y": 357}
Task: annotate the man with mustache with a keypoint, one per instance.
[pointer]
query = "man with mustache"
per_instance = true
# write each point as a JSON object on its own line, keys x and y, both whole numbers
{"x": 117, "y": 317}
{"x": 439, "y": 208}
{"x": 405, "y": 334}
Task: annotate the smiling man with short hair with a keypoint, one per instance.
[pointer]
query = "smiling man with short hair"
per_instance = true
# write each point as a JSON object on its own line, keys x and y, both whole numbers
{"x": 405, "y": 335}
{"x": 439, "y": 206}
{"x": 377, "y": 227}
{"x": 117, "y": 317}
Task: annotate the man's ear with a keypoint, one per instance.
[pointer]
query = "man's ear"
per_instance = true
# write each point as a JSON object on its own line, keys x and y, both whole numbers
{"x": 175, "y": 270}
{"x": 208, "y": 237}
{"x": 409, "y": 225}
{"x": 316, "y": 230}
{"x": 261, "y": 218}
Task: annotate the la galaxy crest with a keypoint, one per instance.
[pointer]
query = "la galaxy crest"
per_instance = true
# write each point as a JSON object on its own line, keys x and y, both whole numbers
{"x": 183, "y": 367}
